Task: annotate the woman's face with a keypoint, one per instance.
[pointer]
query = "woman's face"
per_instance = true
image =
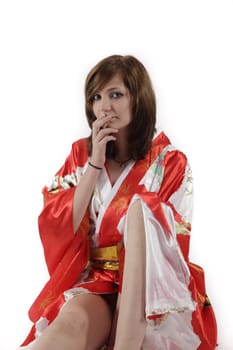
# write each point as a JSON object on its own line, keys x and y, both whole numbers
{"x": 114, "y": 100}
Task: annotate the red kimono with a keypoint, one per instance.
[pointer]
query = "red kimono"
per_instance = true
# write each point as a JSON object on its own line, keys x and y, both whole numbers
{"x": 91, "y": 260}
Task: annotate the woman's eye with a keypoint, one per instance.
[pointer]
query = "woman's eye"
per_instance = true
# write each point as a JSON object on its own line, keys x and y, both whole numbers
{"x": 116, "y": 94}
{"x": 96, "y": 97}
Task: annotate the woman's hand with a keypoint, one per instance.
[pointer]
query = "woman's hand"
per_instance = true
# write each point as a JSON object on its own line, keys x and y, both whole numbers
{"x": 101, "y": 134}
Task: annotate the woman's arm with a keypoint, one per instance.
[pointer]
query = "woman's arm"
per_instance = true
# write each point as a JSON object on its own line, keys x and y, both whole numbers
{"x": 101, "y": 134}
{"x": 82, "y": 195}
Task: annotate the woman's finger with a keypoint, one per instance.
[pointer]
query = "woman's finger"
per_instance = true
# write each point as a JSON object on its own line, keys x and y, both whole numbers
{"x": 100, "y": 123}
{"x": 104, "y": 132}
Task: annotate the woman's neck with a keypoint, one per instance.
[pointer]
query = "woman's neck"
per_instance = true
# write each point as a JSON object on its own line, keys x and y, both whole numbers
{"x": 121, "y": 148}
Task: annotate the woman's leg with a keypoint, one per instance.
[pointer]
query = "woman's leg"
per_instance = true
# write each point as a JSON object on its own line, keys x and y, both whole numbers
{"x": 84, "y": 323}
{"x": 131, "y": 320}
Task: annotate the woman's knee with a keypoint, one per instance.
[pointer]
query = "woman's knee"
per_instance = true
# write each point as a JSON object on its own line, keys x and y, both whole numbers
{"x": 135, "y": 221}
{"x": 135, "y": 208}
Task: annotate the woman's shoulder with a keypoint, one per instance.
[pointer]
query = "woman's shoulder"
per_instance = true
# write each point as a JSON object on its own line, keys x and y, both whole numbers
{"x": 162, "y": 139}
{"x": 167, "y": 154}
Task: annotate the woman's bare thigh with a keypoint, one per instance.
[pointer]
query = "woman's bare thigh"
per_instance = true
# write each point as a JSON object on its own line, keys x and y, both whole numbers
{"x": 93, "y": 316}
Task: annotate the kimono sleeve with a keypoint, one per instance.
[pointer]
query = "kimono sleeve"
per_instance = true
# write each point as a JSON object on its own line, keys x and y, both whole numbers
{"x": 56, "y": 219}
{"x": 177, "y": 191}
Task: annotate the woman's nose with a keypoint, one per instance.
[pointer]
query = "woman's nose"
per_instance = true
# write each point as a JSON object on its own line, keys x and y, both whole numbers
{"x": 105, "y": 104}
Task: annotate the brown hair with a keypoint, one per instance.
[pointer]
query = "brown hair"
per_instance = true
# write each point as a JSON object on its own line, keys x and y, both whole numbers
{"x": 136, "y": 79}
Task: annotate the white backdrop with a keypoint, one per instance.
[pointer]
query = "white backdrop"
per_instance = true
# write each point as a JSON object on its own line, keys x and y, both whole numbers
{"x": 47, "y": 48}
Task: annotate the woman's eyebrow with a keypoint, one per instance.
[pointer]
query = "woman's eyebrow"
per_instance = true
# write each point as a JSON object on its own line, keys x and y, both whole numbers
{"x": 114, "y": 88}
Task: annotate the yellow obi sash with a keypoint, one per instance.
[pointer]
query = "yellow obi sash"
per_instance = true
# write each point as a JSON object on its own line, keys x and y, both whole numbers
{"x": 106, "y": 258}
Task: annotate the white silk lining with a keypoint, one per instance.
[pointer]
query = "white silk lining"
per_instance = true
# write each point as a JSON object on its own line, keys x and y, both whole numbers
{"x": 175, "y": 333}
{"x": 167, "y": 278}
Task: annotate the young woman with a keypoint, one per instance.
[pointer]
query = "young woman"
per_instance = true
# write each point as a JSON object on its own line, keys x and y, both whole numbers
{"x": 115, "y": 230}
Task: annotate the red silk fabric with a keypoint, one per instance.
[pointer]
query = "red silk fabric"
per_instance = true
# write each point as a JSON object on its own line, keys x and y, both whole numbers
{"x": 67, "y": 254}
